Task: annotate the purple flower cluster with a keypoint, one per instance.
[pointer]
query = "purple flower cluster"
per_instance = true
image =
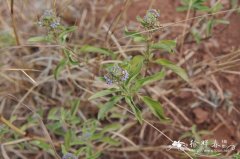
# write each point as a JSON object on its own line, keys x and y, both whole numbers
{"x": 108, "y": 80}
{"x": 150, "y": 20}
{"x": 49, "y": 20}
{"x": 116, "y": 75}
{"x": 54, "y": 24}
{"x": 125, "y": 75}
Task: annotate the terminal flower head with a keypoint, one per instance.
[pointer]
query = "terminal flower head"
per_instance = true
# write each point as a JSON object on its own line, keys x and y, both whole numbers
{"x": 150, "y": 20}
{"x": 116, "y": 75}
{"x": 49, "y": 20}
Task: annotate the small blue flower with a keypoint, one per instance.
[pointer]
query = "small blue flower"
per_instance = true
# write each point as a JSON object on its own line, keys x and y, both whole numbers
{"x": 125, "y": 75}
{"x": 69, "y": 156}
{"x": 150, "y": 20}
{"x": 54, "y": 24}
{"x": 108, "y": 80}
{"x": 116, "y": 75}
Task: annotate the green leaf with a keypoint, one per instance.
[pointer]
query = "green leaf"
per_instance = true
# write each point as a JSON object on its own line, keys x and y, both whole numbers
{"x": 68, "y": 53}
{"x": 140, "y": 20}
{"x": 136, "y": 65}
{"x": 222, "y": 21}
{"x": 39, "y": 39}
{"x": 103, "y": 93}
{"x": 6, "y": 39}
{"x": 55, "y": 127}
{"x": 182, "y": 8}
{"x": 151, "y": 79}
{"x": 64, "y": 151}
{"x": 197, "y": 5}
{"x": 216, "y": 8}
{"x": 196, "y": 35}
{"x": 74, "y": 106}
{"x": 43, "y": 145}
{"x": 67, "y": 31}
{"x": 178, "y": 70}
{"x": 52, "y": 115}
{"x": 166, "y": 45}
{"x": 155, "y": 107}
{"x": 202, "y": 8}
{"x": 210, "y": 24}
{"x": 107, "y": 106}
{"x": 67, "y": 139}
{"x": 64, "y": 34}
{"x": 137, "y": 37}
{"x": 110, "y": 141}
{"x": 111, "y": 127}
{"x": 148, "y": 80}
{"x": 89, "y": 48}
{"x": 134, "y": 108}
{"x": 59, "y": 68}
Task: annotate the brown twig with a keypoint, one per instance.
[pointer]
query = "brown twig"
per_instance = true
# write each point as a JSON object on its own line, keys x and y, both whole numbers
{"x": 14, "y": 24}
{"x": 10, "y": 125}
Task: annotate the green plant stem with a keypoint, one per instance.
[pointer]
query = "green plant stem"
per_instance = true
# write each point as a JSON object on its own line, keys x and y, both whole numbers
{"x": 14, "y": 128}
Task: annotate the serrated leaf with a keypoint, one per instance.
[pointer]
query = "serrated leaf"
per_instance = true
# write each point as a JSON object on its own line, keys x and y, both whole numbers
{"x": 107, "y": 106}
{"x": 155, "y": 107}
{"x": 166, "y": 45}
{"x": 176, "y": 69}
{"x": 103, "y": 93}
{"x": 134, "y": 108}
{"x": 89, "y": 48}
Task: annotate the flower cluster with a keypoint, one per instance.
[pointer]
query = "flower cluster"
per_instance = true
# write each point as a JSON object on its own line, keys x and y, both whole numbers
{"x": 69, "y": 156}
{"x": 150, "y": 20}
{"x": 116, "y": 75}
{"x": 49, "y": 20}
